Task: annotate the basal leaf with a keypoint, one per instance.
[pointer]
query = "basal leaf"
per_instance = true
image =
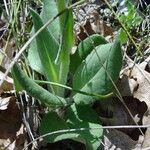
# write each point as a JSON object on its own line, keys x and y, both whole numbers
{"x": 52, "y": 122}
{"x": 76, "y": 117}
{"x": 84, "y": 48}
{"x": 91, "y": 65}
{"x": 35, "y": 90}
{"x": 84, "y": 117}
{"x": 96, "y": 73}
{"x": 61, "y": 55}
{"x": 34, "y": 58}
{"x": 87, "y": 45}
{"x": 48, "y": 12}
{"x": 61, "y": 5}
{"x": 66, "y": 45}
{"x": 47, "y": 48}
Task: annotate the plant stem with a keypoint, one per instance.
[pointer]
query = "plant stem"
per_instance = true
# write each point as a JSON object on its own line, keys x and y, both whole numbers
{"x": 74, "y": 90}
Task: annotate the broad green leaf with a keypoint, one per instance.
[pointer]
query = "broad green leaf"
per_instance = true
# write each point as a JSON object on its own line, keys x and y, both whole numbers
{"x": 84, "y": 117}
{"x": 66, "y": 42}
{"x": 52, "y": 122}
{"x": 87, "y": 45}
{"x": 76, "y": 117}
{"x": 61, "y": 5}
{"x": 84, "y": 48}
{"x": 47, "y": 48}
{"x": 66, "y": 45}
{"x": 62, "y": 52}
{"x": 91, "y": 65}
{"x": 34, "y": 58}
{"x": 35, "y": 90}
{"x": 48, "y": 12}
{"x": 97, "y": 71}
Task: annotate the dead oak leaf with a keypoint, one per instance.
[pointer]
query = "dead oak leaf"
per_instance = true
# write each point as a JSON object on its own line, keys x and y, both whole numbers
{"x": 135, "y": 82}
{"x": 142, "y": 92}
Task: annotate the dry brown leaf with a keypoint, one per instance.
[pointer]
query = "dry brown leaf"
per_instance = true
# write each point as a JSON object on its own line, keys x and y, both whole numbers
{"x": 10, "y": 123}
{"x": 117, "y": 140}
{"x": 112, "y": 112}
{"x": 146, "y": 120}
{"x": 7, "y": 84}
{"x": 17, "y": 144}
{"x": 143, "y": 90}
{"x": 100, "y": 26}
{"x": 10, "y": 120}
{"x": 136, "y": 81}
{"x": 20, "y": 138}
{"x": 9, "y": 52}
{"x": 84, "y": 31}
{"x": 7, "y": 144}
{"x": 126, "y": 85}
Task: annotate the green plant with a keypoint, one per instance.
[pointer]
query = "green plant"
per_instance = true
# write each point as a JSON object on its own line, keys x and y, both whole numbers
{"x": 131, "y": 19}
{"x": 95, "y": 67}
